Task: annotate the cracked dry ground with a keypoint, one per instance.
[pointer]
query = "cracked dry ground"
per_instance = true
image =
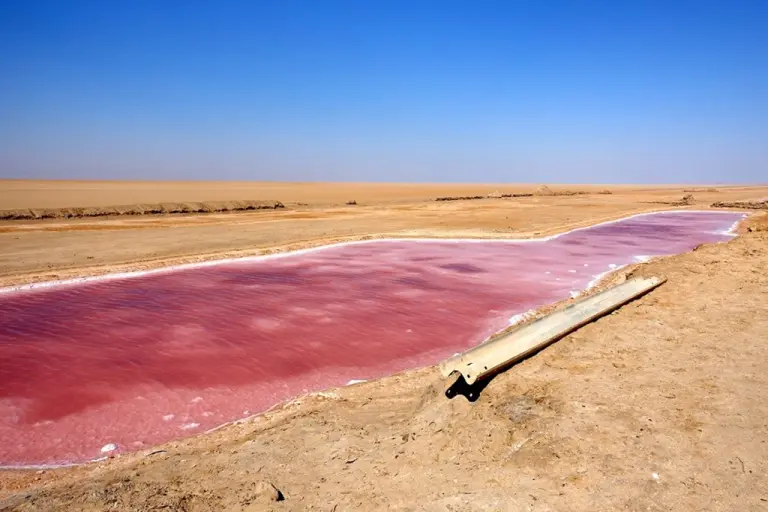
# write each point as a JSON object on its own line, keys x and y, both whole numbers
{"x": 658, "y": 406}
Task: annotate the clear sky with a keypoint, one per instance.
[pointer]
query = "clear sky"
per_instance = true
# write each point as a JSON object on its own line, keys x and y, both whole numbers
{"x": 385, "y": 90}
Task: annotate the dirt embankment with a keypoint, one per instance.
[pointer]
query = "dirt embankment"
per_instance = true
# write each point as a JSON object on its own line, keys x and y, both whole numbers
{"x": 139, "y": 209}
{"x": 542, "y": 190}
{"x": 658, "y": 406}
{"x": 749, "y": 205}
{"x": 459, "y": 198}
{"x": 686, "y": 200}
{"x": 492, "y": 195}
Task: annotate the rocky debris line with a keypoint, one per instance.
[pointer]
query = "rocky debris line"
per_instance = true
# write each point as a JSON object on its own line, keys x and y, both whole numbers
{"x": 748, "y": 205}
{"x": 458, "y": 198}
{"x": 701, "y": 190}
{"x": 492, "y": 195}
{"x": 605, "y": 191}
{"x": 543, "y": 190}
{"x": 139, "y": 209}
{"x": 571, "y": 193}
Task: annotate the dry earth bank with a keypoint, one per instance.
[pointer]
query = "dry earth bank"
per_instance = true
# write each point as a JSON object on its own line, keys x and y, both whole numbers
{"x": 35, "y": 250}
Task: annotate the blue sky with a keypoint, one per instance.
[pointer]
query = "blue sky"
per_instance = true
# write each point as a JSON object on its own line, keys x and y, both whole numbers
{"x": 385, "y": 90}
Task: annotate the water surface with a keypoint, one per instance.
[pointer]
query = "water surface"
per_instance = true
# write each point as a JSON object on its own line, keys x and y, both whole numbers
{"x": 142, "y": 360}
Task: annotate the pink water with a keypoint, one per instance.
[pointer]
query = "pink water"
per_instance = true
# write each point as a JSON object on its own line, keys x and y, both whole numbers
{"x": 142, "y": 360}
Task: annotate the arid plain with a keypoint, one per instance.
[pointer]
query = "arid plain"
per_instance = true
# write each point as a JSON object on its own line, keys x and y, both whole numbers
{"x": 659, "y": 406}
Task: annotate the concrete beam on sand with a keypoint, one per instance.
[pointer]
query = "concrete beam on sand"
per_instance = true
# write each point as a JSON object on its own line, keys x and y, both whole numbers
{"x": 499, "y": 353}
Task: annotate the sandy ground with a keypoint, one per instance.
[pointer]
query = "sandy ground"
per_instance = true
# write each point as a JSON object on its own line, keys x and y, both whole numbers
{"x": 57, "y": 194}
{"x": 34, "y": 250}
{"x": 659, "y": 406}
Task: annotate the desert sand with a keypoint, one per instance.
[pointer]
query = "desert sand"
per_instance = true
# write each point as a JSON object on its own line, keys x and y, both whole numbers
{"x": 59, "y": 194}
{"x": 659, "y": 406}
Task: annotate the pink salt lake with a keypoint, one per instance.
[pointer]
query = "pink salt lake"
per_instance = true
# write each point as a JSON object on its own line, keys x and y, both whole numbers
{"x": 136, "y": 361}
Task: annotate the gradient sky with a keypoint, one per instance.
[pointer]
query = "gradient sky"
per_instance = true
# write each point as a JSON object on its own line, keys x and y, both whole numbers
{"x": 385, "y": 90}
